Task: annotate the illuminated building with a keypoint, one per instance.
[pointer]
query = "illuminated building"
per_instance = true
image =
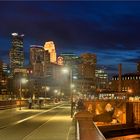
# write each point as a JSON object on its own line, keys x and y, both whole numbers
{"x": 5, "y": 67}
{"x": 71, "y": 60}
{"x": 16, "y": 53}
{"x": 87, "y": 66}
{"x": 60, "y": 60}
{"x": 51, "y": 49}
{"x": 86, "y": 73}
{"x": 129, "y": 82}
{"x": 88, "y": 58}
{"x": 101, "y": 79}
{"x": 3, "y": 80}
{"x": 1, "y": 68}
{"x": 1, "y": 71}
{"x": 85, "y": 85}
{"x": 37, "y": 60}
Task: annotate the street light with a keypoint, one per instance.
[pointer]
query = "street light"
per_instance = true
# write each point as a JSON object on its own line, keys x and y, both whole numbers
{"x": 22, "y": 81}
{"x": 46, "y": 90}
{"x": 130, "y": 91}
{"x": 69, "y": 71}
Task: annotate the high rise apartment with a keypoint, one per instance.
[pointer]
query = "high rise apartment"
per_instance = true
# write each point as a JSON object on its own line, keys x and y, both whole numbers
{"x": 16, "y": 54}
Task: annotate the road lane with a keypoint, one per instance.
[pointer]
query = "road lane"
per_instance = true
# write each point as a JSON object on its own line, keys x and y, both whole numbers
{"x": 57, "y": 128}
{"x": 13, "y": 116}
{"x": 29, "y": 128}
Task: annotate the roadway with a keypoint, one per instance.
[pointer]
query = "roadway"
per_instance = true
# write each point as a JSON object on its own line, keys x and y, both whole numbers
{"x": 52, "y": 122}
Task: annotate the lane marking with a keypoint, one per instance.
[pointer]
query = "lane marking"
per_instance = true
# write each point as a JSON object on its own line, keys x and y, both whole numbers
{"x": 31, "y": 117}
{"x": 27, "y": 136}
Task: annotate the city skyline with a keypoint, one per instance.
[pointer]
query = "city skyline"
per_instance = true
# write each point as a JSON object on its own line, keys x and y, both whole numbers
{"x": 108, "y": 29}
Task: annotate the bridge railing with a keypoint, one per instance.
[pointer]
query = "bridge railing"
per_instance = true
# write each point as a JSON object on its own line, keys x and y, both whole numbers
{"x": 86, "y": 129}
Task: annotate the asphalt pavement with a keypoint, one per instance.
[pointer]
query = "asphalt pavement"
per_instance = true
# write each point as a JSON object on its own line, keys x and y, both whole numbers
{"x": 51, "y": 122}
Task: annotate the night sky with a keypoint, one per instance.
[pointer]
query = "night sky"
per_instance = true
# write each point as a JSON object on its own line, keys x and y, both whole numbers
{"x": 111, "y": 30}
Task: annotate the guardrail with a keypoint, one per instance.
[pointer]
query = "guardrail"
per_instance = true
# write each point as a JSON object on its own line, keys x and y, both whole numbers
{"x": 11, "y": 104}
{"x": 77, "y": 131}
{"x": 86, "y": 129}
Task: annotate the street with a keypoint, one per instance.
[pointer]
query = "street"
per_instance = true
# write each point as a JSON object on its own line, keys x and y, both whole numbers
{"x": 49, "y": 123}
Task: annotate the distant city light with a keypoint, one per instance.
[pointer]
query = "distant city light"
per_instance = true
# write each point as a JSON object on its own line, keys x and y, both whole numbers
{"x": 14, "y": 34}
{"x": 75, "y": 77}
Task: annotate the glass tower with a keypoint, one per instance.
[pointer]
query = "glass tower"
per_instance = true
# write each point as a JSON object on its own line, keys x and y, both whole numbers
{"x": 16, "y": 53}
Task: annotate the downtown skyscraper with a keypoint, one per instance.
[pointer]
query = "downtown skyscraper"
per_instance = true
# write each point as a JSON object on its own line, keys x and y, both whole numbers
{"x": 16, "y": 54}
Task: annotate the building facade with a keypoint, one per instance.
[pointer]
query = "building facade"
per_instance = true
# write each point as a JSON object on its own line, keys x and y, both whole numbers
{"x": 37, "y": 60}
{"x": 50, "y": 47}
{"x": 101, "y": 79}
{"x": 3, "y": 81}
{"x": 87, "y": 66}
{"x": 130, "y": 83}
{"x": 86, "y": 74}
{"x": 16, "y": 54}
{"x": 70, "y": 60}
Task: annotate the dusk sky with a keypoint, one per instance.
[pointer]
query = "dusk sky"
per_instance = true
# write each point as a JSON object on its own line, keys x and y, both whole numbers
{"x": 111, "y": 30}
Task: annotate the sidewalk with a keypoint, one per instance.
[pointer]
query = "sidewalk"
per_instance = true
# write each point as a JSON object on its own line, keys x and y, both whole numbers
{"x": 72, "y": 134}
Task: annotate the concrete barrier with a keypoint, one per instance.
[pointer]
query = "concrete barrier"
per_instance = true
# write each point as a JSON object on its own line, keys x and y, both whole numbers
{"x": 87, "y": 129}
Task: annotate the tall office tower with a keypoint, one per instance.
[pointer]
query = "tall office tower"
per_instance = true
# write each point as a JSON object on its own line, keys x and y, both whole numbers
{"x": 87, "y": 66}
{"x": 37, "y": 60}
{"x": 6, "y": 68}
{"x": 3, "y": 79}
{"x": 16, "y": 53}
{"x": 46, "y": 62}
{"x": 50, "y": 46}
{"x": 101, "y": 78}
{"x": 89, "y": 58}
{"x": 86, "y": 70}
{"x": 71, "y": 60}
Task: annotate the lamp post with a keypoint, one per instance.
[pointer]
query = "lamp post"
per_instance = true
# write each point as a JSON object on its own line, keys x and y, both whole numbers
{"x": 69, "y": 71}
{"x": 46, "y": 90}
{"x": 22, "y": 81}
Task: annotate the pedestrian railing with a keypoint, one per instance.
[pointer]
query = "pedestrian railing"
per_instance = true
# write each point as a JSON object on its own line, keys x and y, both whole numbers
{"x": 86, "y": 129}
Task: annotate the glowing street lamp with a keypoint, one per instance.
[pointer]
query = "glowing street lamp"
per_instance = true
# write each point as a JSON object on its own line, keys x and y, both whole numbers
{"x": 55, "y": 91}
{"x": 130, "y": 91}
{"x": 46, "y": 90}
{"x": 69, "y": 71}
{"x": 22, "y": 81}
